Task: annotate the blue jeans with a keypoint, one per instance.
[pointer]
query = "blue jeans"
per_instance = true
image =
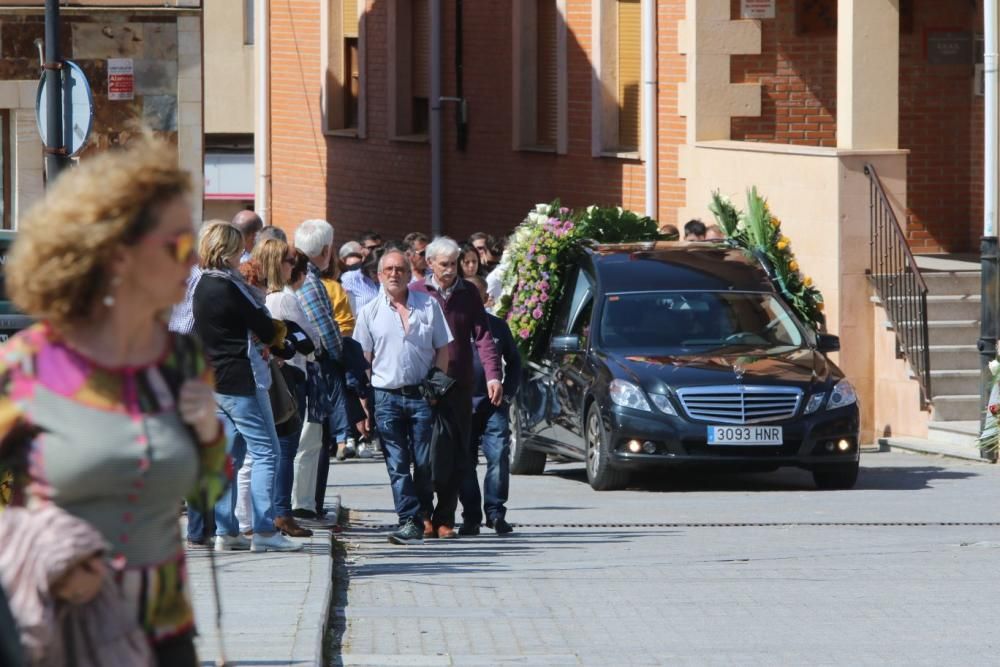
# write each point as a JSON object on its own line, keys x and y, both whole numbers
{"x": 288, "y": 446}
{"x": 404, "y": 426}
{"x": 491, "y": 431}
{"x": 196, "y": 528}
{"x": 253, "y": 424}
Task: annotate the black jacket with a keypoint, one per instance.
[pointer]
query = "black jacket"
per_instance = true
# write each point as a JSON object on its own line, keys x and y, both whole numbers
{"x": 222, "y": 317}
{"x": 438, "y": 390}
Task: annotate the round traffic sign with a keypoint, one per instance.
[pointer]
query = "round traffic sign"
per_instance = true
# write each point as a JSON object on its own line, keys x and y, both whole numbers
{"x": 78, "y": 108}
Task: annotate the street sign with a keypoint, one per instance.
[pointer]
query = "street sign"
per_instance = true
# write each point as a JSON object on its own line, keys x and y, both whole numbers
{"x": 121, "y": 79}
{"x": 78, "y": 108}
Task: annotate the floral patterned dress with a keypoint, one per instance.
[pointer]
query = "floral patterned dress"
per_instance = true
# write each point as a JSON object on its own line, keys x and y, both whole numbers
{"x": 108, "y": 446}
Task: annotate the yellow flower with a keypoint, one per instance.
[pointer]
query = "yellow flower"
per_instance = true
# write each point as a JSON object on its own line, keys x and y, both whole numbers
{"x": 793, "y": 265}
{"x": 808, "y": 282}
{"x": 775, "y": 222}
{"x": 783, "y": 242}
{"x": 820, "y": 306}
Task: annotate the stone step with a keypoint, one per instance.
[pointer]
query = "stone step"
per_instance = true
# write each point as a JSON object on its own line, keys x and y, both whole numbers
{"x": 961, "y": 407}
{"x": 953, "y": 282}
{"x": 953, "y": 308}
{"x": 954, "y": 432}
{"x": 954, "y": 357}
{"x": 950, "y": 332}
{"x": 940, "y": 308}
{"x": 951, "y": 383}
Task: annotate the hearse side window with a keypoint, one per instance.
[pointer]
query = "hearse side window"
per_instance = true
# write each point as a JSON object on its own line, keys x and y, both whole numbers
{"x": 581, "y": 286}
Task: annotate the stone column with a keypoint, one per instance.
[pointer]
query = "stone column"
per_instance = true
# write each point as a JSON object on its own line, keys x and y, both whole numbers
{"x": 868, "y": 74}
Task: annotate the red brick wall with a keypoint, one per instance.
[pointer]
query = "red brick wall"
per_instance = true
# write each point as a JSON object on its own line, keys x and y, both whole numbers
{"x": 798, "y": 77}
{"x": 383, "y": 184}
{"x": 940, "y": 122}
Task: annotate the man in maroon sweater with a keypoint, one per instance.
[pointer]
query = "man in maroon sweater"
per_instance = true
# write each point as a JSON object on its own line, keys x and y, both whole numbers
{"x": 469, "y": 326}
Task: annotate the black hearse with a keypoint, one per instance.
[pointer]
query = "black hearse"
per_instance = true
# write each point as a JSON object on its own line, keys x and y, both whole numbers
{"x": 683, "y": 354}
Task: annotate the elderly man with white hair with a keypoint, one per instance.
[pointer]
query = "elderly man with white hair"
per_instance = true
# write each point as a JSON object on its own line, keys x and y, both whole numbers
{"x": 315, "y": 239}
{"x": 466, "y": 316}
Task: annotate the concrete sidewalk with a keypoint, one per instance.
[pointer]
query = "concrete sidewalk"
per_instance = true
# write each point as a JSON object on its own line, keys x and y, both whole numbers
{"x": 275, "y": 606}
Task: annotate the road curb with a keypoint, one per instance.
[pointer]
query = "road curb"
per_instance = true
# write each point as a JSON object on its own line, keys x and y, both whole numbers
{"x": 932, "y": 448}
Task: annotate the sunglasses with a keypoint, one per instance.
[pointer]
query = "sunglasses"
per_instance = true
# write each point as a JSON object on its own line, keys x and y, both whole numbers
{"x": 181, "y": 246}
{"x": 389, "y": 270}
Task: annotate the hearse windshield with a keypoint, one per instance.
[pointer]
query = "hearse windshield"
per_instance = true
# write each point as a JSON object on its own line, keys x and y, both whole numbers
{"x": 696, "y": 322}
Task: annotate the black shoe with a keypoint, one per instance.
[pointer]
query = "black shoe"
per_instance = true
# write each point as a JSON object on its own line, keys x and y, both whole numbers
{"x": 469, "y": 529}
{"x": 196, "y": 543}
{"x": 303, "y": 514}
{"x": 410, "y": 533}
{"x": 500, "y": 526}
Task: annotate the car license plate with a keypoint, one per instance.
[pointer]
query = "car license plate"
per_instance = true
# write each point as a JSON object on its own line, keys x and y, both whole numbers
{"x": 745, "y": 435}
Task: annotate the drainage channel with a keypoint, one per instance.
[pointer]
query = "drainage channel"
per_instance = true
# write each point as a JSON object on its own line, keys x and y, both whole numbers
{"x": 758, "y": 524}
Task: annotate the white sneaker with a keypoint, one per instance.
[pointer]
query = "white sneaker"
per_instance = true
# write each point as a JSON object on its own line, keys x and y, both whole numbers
{"x": 273, "y": 542}
{"x": 365, "y": 451}
{"x": 231, "y": 543}
{"x": 351, "y": 449}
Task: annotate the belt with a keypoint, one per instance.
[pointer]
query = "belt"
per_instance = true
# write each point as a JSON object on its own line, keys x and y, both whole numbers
{"x": 410, "y": 391}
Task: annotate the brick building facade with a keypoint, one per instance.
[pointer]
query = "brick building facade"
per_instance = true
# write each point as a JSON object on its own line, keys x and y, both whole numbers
{"x": 382, "y": 181}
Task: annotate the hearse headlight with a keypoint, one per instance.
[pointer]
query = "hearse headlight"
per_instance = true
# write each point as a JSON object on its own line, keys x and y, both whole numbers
{"x": 815, "y": 402}
{"x": 842, "y": 396}
{"x": 663, "y": 403}
{"x": 628, "y": 395}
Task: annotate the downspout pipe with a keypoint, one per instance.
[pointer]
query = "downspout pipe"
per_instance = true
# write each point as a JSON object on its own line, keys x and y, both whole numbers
{"x": 649, "y": 100}
{"x": 262, "y": 122}
{"x": 435, "y": 122}
{"x": 990, "y": 294}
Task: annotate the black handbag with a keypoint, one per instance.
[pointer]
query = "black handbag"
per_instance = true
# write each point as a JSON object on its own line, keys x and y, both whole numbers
{"x": 282, "y": 400}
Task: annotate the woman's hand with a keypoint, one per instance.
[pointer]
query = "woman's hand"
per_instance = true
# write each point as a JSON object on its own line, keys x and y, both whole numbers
{"x": 197, "y": 408}
{"x": 82, "y": 582}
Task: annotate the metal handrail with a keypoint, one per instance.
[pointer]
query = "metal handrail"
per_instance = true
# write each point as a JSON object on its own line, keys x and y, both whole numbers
{"x": 898, "y": 283}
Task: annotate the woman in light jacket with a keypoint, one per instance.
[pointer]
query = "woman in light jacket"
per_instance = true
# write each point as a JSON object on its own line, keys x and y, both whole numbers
{"x": 283, "y": 271}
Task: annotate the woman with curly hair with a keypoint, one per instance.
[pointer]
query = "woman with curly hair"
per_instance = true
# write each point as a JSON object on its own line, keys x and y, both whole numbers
{"x": 121, "y": 412}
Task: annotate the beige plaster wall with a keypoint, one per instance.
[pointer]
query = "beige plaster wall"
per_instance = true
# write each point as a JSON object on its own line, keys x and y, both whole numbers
{"x": 821, "y": 197}
{"x": 28, "y": 180}
{"x": 190, "y": 128}
{"x": 229, "y": 70}
{"x": 897, "y": 396}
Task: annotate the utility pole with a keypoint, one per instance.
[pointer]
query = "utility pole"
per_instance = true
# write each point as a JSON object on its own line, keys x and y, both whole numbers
{"x": 55, "y": 147}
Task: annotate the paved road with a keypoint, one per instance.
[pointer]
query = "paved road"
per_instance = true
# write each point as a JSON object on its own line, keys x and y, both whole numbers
{"x": 642, "y": 577}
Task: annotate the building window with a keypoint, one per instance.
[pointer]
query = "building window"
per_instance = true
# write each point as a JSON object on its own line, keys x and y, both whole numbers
{"x": 617, "y": 92}
{"x": 539, "y": 75}
{"x": 409, "y": 69}
{"x": 5, "y": 170}
{"x": 343, "y": 49}
{"x": 248, "y": 24}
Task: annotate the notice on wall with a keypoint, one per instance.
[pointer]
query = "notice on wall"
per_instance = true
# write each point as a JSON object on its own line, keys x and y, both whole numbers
{"x": 757, "y": 9}
{"x": 949, "y": 47}
{"x": 121, "y": 79}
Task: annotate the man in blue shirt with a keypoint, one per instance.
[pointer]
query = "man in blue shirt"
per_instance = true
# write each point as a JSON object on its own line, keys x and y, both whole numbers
{"x": 491, "y": 431}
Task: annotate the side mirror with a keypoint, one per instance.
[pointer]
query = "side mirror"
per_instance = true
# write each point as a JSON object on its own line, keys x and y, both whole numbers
{"x": 827, "y": 343}
{"x": 565, "y": 344}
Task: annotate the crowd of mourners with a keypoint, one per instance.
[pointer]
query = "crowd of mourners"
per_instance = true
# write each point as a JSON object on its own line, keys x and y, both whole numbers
{"x": 227, "y": 363}
{"x": 372, "y": 348}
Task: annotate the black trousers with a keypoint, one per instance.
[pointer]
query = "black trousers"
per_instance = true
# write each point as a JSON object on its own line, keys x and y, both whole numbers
{"x": 178, "y": 652}
{"x": 460, "y": 406}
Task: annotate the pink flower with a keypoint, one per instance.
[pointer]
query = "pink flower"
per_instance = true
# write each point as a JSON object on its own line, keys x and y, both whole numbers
{"x": 525, "y": 333}
{"x": 537, "y": 313}
{"x": 543, "y": 297}
{"x": 542, "y": 259}
{"x": 544, "y": 285}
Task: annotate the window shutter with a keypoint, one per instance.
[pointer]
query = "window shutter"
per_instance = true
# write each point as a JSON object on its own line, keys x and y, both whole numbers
{"x": 349, "y": 12}
{"x": 547, "y": 115}
{"x": 629, "y": 72}
{"x": 421, "y": 25}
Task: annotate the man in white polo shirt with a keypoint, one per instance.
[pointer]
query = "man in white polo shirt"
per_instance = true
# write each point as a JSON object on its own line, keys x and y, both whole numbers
{"x": 403, "y": 334}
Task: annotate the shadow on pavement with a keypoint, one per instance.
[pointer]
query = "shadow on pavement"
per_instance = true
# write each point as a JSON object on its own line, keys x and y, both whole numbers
{"x": 337, "y": 624}
{"x": 888, "y": 478}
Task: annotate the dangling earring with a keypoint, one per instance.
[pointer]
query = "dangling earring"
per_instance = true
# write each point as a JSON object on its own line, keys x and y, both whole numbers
{"x": 109, "y": 299}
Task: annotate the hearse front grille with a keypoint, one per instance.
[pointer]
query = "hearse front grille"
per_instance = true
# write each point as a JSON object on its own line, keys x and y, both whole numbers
{"x": 739, "y": 404}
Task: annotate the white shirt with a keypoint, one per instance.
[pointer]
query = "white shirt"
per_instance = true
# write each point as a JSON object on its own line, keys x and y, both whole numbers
{"x": 401, "y": 358}
{"x": 284, "y": 305}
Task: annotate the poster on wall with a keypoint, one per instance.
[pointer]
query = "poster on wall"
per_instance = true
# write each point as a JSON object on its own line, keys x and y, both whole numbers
{"x": 757, "y": 9}
{"x": 121, "y": 79}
